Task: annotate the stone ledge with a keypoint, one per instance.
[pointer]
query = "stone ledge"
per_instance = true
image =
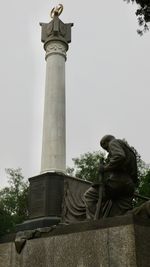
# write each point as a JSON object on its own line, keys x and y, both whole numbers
{"x": 100, "y": 224}
{"x": 62, "y": 229}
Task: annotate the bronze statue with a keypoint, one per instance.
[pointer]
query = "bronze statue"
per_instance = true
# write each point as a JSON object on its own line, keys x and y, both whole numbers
{"x": 119, "y": 180}
{"x": 56, "y": 11}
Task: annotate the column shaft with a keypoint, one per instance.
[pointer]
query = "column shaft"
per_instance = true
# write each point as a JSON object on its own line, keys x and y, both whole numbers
{"x": 54, "y": 125}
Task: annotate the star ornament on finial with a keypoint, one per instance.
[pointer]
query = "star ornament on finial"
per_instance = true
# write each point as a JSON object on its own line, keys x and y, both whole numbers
{"x": 56, "y": 11}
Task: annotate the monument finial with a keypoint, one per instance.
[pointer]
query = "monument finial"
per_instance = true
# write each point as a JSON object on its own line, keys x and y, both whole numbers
{"x": 56, "y": 11}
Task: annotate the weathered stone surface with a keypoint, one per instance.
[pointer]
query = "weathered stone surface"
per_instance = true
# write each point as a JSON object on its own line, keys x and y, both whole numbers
{"x": 121, "y": 246}
{"x": 86, "y": 249}
{"x": 142, "y": 240}
{"x": 89, "y": 244}
{"x": 5, "y": 254}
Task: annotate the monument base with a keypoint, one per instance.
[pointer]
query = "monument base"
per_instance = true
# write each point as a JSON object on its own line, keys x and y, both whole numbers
{"x": 53, "y": 198}
{"x": 117, "y": 242}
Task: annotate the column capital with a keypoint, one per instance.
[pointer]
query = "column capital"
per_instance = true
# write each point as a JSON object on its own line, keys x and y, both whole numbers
{"x": 56, "y": 30}
{"x": 56, "y": 48}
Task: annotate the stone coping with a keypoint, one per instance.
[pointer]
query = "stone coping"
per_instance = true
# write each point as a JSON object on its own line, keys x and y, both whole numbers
{"x": 63, "y": 229}
{"x": 63, "y": 175}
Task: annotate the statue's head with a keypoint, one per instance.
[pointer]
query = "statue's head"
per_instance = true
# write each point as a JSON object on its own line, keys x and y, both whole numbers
{"x": 104, "y": 142}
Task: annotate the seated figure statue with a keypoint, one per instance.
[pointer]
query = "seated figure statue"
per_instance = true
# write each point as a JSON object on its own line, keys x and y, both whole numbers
{"x": 119, "y": 180}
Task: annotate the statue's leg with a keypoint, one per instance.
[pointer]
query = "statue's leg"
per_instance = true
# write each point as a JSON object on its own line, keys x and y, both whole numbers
{"x": 121, "y": 191}
{"x": 90, "y": 199}
{"x": 121, "y": 206}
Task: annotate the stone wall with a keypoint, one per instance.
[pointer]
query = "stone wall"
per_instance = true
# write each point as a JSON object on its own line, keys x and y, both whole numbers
{"x": 112, "y": 242}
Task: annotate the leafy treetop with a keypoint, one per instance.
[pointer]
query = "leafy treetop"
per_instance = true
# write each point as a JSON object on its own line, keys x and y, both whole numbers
{"x": 13, "y": 201}
{"x": 143, "y": 14}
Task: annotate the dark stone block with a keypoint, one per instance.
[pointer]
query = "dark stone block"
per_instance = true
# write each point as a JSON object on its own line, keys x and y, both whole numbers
{"x": 46, "y": 195}
{"x": 54, "y": 198}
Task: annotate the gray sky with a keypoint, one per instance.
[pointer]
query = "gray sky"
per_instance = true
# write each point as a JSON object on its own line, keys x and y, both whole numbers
{"x": 107, "y": 80}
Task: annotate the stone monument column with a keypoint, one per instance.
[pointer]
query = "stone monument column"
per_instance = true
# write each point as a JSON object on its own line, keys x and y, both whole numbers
{"x": 47, "y": 190}
{"x": 56, "y": 35}
{"x": 54, "y": 126}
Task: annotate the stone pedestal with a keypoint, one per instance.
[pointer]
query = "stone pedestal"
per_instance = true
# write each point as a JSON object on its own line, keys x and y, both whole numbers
{"x": 112, "y": 242}
{"x": 54, "y": 198}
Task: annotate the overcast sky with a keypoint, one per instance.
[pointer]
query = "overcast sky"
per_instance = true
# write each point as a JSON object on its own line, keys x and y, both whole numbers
{"x": 107, "y": 80}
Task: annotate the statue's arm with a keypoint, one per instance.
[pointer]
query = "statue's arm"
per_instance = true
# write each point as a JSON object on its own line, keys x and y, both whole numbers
{"x": 116, "y": 156}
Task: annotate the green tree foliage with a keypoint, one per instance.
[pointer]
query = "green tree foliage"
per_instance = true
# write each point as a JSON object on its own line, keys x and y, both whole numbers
{"x": 142, "y": 167}
{"x": 144, "y": 186}
{"x": 5, "y": 221}
{"x": 86, "y": 166}
{"x": 13, "y": 201}
{"x": 143, "y": 14}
